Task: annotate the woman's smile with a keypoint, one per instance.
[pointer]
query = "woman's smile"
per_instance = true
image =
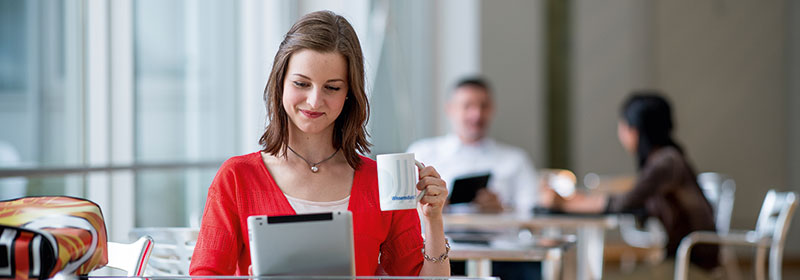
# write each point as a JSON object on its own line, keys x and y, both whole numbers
{"x": 311, "y": 114}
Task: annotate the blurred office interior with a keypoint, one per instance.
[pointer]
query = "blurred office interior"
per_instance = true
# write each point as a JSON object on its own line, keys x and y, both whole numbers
{"x": 178, "y": 84}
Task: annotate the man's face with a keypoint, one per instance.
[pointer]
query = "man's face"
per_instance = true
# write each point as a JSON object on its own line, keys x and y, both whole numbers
{"x": 470, "y": 109}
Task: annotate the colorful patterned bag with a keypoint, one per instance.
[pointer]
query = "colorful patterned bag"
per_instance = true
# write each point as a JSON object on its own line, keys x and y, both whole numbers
{"x": 41, "y": 236}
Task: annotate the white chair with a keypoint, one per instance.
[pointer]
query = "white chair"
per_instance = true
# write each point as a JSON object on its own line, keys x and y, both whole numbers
{"x": 719, "y": 190}
{"x": 771, "y": 227}
{"x": 173, "y": 250}
{"x": 132, "y": 258}
{"x": 652, "y": 237}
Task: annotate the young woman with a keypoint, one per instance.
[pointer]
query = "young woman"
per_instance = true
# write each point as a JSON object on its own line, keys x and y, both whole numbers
{"x": 318, "y": 109}
{"x": 666, "y": 185}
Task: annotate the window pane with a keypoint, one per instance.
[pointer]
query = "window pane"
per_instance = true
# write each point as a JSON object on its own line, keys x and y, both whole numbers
{"x": 71, "y": 185}
{"x": 40, "y": 94}
{"x": 13, "y": 70}
{"x": 185, "y": 77}
{"x": 163, "y": 197}
{"x": 403, "y": 104}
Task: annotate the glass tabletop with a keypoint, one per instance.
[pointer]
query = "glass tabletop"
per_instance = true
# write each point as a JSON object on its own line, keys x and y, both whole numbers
{"x": 62, "y": 277}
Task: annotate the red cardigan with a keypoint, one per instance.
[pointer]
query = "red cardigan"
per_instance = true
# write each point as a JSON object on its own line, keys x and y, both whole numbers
{"x": 244, "y": 187}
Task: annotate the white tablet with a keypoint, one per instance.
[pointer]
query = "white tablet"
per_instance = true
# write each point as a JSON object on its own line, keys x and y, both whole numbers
{"x": 307, "y": 244}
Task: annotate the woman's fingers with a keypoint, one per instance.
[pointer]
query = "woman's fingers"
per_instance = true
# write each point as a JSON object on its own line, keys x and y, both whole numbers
{"x": 429, "y": 171}
{"x": 435, "y": 191}
{"x": 434, "y": 185}
{"x": 433, "y": 200}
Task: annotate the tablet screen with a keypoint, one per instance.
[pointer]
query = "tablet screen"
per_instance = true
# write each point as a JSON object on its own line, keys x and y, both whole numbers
{"x": 305, "y": 244}
{"x": 466, "y": 187}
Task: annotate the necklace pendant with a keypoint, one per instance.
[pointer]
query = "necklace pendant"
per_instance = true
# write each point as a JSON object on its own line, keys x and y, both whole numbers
{"x": 314, "y": 169}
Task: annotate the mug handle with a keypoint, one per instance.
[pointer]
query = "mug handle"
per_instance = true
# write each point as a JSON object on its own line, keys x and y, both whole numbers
{"x": 420, "y": 166}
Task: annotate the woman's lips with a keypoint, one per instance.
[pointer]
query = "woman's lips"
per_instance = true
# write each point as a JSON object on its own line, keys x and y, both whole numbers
{"x": 311, "y": 114}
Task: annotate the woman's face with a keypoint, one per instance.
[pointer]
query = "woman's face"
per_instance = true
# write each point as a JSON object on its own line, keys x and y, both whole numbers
{"x": 628, "y": 136}
{"x": 314, "y": 90}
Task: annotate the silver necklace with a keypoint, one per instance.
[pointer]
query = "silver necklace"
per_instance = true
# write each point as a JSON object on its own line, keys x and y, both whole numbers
{"x": 313, "y": 165}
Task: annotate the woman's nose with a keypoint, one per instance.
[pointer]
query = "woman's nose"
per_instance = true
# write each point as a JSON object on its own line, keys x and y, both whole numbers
{"x": 314, "y": 98}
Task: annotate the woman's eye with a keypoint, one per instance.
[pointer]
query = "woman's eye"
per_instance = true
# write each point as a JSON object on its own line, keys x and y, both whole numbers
{"x": 300, "y": 84}
{"x": 333, "y": 88}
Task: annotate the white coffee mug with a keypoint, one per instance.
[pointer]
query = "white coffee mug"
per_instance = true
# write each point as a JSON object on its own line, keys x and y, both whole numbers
{"x": 398, "y": 175}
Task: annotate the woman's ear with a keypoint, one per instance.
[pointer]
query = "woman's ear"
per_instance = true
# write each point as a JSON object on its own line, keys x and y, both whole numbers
{"x": 628, "y": 136}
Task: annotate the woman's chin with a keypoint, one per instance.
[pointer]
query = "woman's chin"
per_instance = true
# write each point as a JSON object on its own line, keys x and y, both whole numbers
{"x": 313, "y": 128}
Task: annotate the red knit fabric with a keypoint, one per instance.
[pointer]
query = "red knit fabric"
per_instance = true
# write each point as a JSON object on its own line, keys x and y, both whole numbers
{"x": 243, "y": 187}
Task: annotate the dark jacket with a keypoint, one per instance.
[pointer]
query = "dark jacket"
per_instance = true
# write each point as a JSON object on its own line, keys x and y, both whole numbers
{"x": 667, "y": 188}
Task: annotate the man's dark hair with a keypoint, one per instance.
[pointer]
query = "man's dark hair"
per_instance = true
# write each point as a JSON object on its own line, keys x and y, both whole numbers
{"x": 475, "y": 81}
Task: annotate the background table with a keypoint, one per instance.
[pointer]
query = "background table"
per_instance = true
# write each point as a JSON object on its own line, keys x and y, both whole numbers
{"x": 479, "y": 257}
{"x": 590, "y": 230}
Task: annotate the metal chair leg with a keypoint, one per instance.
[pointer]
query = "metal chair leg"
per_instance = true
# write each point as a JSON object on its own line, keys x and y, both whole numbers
{"x": 761, "y": 254}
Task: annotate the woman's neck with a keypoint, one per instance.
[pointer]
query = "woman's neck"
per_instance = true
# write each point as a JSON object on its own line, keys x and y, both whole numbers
{"x": 313, "y": 147}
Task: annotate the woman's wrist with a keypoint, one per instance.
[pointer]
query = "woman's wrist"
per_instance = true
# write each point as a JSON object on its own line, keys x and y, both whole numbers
{"x": 436, "y": 248}
{"x": 439, "y": 258}
{"x": 435, "y": 217}
{"x": 433, "y": 226}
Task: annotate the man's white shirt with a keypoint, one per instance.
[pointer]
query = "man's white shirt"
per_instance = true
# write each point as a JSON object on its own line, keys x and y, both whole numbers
{"x": 513, "y": 175}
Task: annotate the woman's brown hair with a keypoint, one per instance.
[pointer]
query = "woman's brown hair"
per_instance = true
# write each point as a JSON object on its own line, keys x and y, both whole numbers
{"x": 322, "y": 31}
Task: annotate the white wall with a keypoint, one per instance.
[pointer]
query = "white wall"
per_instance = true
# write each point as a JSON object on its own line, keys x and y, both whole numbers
{"x": 723, "y": 65}
{"x": 611, "y": 56}
{"x": 511, "y": 58}
{"x": 793, "y": 93}
{"x": 503, "y": 41}
{"x": 457, "y": 41}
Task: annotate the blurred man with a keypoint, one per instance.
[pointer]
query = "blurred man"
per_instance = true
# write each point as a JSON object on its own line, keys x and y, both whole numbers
{"x": 469, "y": 150}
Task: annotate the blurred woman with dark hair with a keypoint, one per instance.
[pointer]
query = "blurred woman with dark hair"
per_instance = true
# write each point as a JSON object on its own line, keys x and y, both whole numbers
{"x": 666, "y": 185}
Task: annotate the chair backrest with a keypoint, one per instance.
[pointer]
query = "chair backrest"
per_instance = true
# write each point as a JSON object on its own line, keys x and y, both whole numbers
{"x": 132, "y": 258}
{"x": 652, "y": 236}
{"x": 719, "y": 190}
{"x": 773, "y": 222}
{"x": 775, "y": 215}
{"x": 173, "y": 249}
